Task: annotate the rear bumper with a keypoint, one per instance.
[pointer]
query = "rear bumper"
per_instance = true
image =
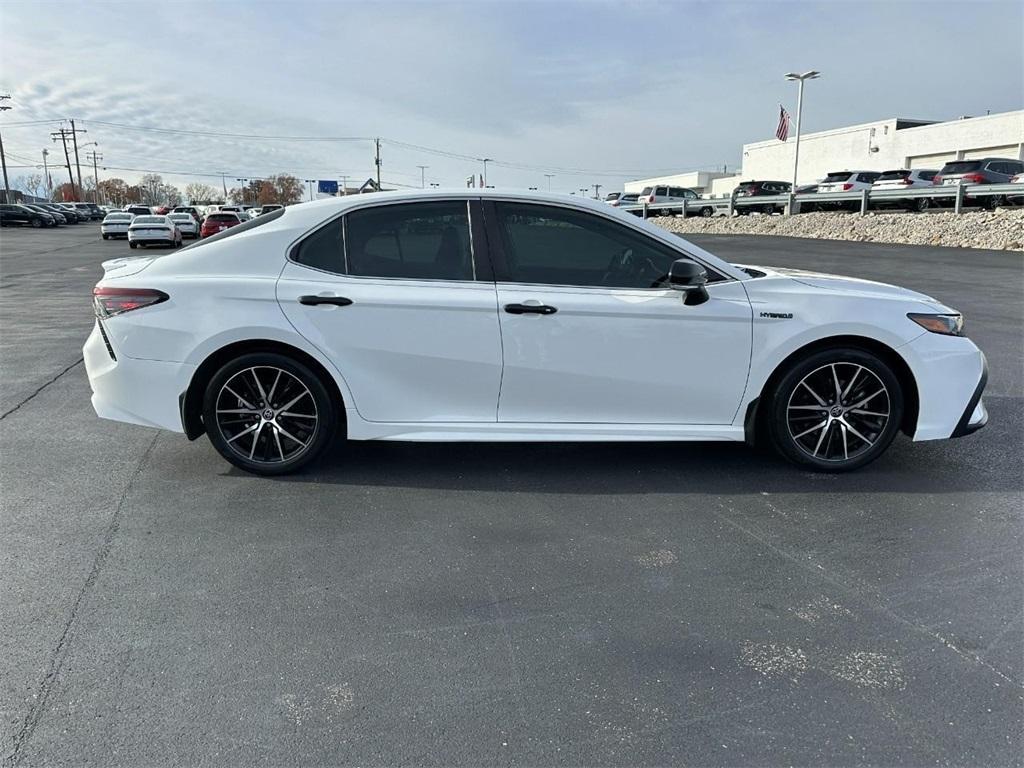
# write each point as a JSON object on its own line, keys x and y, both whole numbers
{"x": 136, "y": 391}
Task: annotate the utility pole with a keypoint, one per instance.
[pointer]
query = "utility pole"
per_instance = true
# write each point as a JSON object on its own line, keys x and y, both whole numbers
{"x": 95, "y": 174}
{"x": 483, "y": 177}
{"x": 3, "y": 158}
{"x": 310, "y": 183}
{"x": 423, "y": 170}
{"x": 344, "y": 185}
{"x": 376, "y": 161}
{"x": 597, "y": 191}
{"x": 224, "y": 185}
{"x": 63, "y": 135}
{"x": 74, "y": 140}
{"x": 46, "y": 175}
{"x": 549, "y": 177}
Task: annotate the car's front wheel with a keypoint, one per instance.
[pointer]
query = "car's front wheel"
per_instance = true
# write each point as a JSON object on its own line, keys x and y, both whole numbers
{"x": 268, "y": 414}
{"x": 835, "y": 410}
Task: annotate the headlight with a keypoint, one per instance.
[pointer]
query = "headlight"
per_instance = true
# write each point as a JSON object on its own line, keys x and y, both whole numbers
{"x": 947, "y": 325}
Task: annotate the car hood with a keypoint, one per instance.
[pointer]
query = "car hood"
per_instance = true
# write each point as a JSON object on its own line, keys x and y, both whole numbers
{"x": 849, "y": 285}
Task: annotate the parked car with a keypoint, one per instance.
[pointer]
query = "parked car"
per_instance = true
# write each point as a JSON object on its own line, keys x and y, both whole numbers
{"x": 116, "y": 224}
{"x": 761, "y": 189}
{"x": 192, "y": 210}
{"x": 623, "y": 198}
{"x": 91, "y": 210}
{"x": 12, "y": 214}
{"x": 845, "y": 181}
{"x": 153, "y": 230}
{"x": 361, "y": 316}
{"x": 270, "y": 207}
{"x": 665, "y": 194}
{"x": 64, "y": 213}
{"x": 79, "y": 215}
{"x": 138, "y": 210}
{"x": 186, "y": 224}
{"x": 56, "y": 218}
{"x": 987, "y": 170}
{"x": 905, "y": 178}
{"x": 1016, "y": 199}
{"x": 219, "y": 221}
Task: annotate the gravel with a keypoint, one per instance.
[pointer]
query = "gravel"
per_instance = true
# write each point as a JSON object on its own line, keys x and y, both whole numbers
{"x": 1002, "y": 229}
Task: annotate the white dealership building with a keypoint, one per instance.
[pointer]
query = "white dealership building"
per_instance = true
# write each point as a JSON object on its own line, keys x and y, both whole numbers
{"x": 876, "y": 146}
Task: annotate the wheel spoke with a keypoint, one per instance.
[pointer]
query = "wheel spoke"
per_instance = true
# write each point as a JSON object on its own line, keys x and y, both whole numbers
{"x": 256, "y": 438}
{"x": 815, "y": 394}
{"x": 295, "y": 400}
{"x": 291, "y": 415}
{"x": 846, "y": 449}
{"x": 867, "y": 399}
{"x": 290, "y": 436}
{"x": 835, "y": 379}
{"x": 821, "y": 439}
{"x": 816, "y": 427}
{"x": 273, "y": 388}
{"x": 860, "y": 412}
{"x": 856, "y": 433}
{"x": 852, "y": 380}
{"x": 244, "y": 402}
{"x": 236, "y": 410}
{"x": 277, "y": 439}
{"x": 245, "y": 431}
{"x": 259, "y": 386}
{"x": 807, "y": 408}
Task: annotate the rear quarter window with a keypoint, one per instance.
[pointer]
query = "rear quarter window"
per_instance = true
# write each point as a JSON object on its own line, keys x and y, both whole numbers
{"x": 243, "y": 227}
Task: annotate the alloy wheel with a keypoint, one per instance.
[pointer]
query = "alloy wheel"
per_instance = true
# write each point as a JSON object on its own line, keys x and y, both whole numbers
{"x": 267, "y": 415}
{"x": 838, "y": 411}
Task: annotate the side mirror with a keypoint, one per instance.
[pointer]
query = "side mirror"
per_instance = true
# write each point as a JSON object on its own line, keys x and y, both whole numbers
{"x": 689, "y": 277}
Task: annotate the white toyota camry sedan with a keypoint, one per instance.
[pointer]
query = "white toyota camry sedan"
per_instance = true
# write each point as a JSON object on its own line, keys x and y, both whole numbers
{"x": 497, "y": 316}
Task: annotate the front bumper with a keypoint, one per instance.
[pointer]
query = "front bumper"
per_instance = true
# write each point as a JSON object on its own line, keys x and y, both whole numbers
{"x": 132, "y": 390}
{"x": 950, "y": 373}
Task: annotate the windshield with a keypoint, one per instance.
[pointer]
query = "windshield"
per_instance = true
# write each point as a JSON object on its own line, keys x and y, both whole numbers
{"x": 887, "y": 175}
{"x": 647, "y": 190}
{"x": 837, "y": 176}
{"x": 118, "y": 217}
{"x": 180, "y": 217}
{"x": 149, "y": 220}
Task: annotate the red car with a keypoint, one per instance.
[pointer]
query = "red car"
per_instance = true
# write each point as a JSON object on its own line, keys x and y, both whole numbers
{"x": 216, "y": 222}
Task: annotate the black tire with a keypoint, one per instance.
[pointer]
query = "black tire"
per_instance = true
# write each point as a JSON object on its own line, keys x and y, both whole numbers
{"x": 240, "y": 385}
{"x": 36, "y": 223}
{"x": 995, "y": 201}
{"x": 106, "y": 237}
{"x": 707, "y": 212}
{"x": 132, "y": 245}
{"x": 921, "y": 204}
{"x": 844, "y": 439}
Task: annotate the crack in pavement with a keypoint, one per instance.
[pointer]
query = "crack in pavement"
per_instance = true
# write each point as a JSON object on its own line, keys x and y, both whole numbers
{"x": 60, "y": 652}
{"x": 9, "y": 411}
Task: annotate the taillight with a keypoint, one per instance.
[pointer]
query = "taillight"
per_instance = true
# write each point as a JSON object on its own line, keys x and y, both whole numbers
{"x": 114, "y": 301}
{"x": 847, "y": 187}
{"x": 936, "y": 179}
{"x": 906, "y": 182}
{"x": 974, "y": 178}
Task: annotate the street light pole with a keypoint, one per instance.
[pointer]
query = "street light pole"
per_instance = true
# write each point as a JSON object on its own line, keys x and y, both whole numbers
{"x": 46, "y": 175}
{"x": 423, "y": 170}
{"x": 811, "y": 75}
{"x": 3, "y": 159}
{"x": 549, "y": 176}
{"x": 485, "y": 161}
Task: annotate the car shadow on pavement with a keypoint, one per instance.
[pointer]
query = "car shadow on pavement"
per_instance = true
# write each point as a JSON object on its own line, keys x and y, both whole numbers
{"x": 943, "y": 466}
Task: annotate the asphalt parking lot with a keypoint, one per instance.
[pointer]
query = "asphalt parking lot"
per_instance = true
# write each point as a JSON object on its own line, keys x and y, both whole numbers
{"x": 523, "y": 605}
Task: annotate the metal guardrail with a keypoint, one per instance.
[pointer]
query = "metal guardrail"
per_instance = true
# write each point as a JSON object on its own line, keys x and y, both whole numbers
{"x": 729, "y": 206}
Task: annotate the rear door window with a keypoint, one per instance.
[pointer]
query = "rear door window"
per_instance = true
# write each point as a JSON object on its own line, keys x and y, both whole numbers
{"x": 418, "y": 241}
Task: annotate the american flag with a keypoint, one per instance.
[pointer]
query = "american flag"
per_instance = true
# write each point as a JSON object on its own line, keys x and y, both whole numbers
{"x": 782, "y": 132}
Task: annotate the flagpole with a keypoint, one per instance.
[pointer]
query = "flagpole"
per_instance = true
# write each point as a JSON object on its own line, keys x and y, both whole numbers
{"x": 799, "y": 117}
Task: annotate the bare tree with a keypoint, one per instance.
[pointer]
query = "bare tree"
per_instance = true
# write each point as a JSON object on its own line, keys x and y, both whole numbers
{"x": 30, "y": 185}
{"x": 201, "y": 193}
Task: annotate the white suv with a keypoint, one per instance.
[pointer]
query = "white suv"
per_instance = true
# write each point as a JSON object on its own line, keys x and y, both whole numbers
{"x": 666, "y": 194}
{"x": 907, "y": 178}
{"x": 847, "y": 181}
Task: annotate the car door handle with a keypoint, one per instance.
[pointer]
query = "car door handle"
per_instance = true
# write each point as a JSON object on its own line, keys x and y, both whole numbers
{"x": 530, "y": 309}
{"x": 312, "y": 301}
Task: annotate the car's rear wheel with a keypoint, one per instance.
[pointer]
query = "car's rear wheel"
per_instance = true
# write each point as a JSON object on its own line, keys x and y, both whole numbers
{"x": 707, "y": 212}
{"x": 132, "y": 245}
{"x": 37, "y": 223}
{"x": 835, "y": 410}
{"x": 268, "y": 414}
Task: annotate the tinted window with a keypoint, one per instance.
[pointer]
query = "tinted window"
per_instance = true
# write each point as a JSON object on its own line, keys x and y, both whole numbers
{"x": 890, "y": 175}
{"x": 661, "y": 191}
{"x": 558, "y": 246}
{"x": 838, "y": 176}
{"x": 222, "y": 217}
{"x": 961, "y": 166}
{"x": 927, "y": 175}
{"x": 423, "y": 241}
{"x": 324, "y": 249}
{"x": 646, "y": 191}
{"x": 149, "y": 220}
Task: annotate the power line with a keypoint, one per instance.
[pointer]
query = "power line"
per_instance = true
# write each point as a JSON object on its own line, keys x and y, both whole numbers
{"x": 222, "y": 134}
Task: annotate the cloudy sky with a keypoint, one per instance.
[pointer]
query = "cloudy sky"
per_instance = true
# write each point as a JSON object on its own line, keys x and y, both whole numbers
{"x": 592, "y": 92}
